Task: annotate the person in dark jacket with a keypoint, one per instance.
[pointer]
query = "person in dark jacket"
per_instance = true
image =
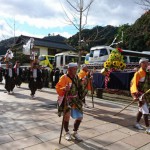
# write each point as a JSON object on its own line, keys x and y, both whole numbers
{"x": 40, "y": 82}
{"x": 61, "y": 73}
{"x": 18, "y": 74}
{"x": 52, "y": 78}
{"x": 1, "y": 73}
{"x": 45, "y": 77}
{"x": 57, "y": 75}
{"x": 9, "y": 75}
{"x": 25, "y": 74}
{"x": 34, "y": 79}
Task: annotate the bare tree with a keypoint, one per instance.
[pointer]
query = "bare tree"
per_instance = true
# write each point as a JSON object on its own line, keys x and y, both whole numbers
{"x": 11, "y": 30}
{"x": 11, "y": 26}
{"x": 77, "y": 16}
{"x": 144, "y": 3}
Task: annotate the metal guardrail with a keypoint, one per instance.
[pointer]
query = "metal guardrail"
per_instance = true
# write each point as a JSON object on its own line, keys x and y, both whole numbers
{"x": 129, "y": 66}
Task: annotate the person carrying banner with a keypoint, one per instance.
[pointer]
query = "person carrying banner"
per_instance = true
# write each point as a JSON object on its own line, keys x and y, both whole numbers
{"x": 69, "y": 89}
{"x": 139, "y": 85}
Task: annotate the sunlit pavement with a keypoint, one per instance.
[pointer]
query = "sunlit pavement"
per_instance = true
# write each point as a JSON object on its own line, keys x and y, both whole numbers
{"x": 33, "y": 124}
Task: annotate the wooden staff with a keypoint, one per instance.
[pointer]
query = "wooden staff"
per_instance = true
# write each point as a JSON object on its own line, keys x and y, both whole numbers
{"x": 124, "y": 108}
{"x": 64, "y": 112}
{"x": 92, "y": 92}
{"x": 130, "y": 104}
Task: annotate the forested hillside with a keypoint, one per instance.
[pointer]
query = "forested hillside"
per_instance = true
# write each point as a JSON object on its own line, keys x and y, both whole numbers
{"x": 136, "y": 36}
{"x": 96, "y": 36}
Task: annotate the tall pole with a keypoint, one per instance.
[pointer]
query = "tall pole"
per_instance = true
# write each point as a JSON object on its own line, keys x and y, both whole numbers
{"x": 80, "y": 29}
{"x": 14, "y": 37}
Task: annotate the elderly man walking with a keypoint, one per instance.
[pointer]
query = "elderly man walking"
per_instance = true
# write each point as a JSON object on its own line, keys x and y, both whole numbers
{"x": 69, "y": 89}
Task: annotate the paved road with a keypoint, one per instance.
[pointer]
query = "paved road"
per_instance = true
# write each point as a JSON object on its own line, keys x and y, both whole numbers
{"x": 28, "y": 124}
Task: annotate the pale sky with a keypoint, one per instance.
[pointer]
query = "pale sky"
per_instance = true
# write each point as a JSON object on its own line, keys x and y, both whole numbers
{"x": 38, "y": 18}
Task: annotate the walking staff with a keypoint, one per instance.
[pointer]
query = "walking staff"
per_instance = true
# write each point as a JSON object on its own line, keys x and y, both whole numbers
{"x": 92, "y": 92}
{"x": 64, "y": 112}
{"x": 124, "y": 108}
{"x": 148, "y": 91}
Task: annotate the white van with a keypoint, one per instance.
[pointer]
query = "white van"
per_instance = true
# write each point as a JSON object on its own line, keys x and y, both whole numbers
{"x": 63, "y": 59}
{"x": 99, "y": 54}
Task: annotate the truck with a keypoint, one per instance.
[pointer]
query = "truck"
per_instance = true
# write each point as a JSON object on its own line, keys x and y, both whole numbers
{"x": 99, "y": 54}
{"x": 60, "y": 60}
{"x": 63, "y": 59}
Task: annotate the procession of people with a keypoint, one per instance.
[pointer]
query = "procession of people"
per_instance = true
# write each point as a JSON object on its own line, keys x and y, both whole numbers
{"x": 35, "y": 75}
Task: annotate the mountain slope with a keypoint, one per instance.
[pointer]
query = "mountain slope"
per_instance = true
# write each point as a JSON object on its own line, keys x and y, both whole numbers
{"x": 137, "y": 36}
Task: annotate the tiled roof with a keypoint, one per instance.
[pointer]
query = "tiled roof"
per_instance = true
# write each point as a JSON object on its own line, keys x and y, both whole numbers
{"x": 47, "y": 43}
{"x": 53, "y": 44}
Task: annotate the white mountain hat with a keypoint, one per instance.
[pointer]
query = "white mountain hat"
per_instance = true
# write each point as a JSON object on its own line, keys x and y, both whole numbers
{"x": 143, "y": 60}
{"x": 72, "y": 65}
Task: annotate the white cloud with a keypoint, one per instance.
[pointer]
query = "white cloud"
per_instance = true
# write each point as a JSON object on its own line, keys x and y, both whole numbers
{"x": 48, "y": 14}
{"x": 18, "y": 33}
{"x": 41, "y": 22}
{"x": 41, "y": 14}
{"x": 64, "y": 34}
{"x": 116, "y": 12}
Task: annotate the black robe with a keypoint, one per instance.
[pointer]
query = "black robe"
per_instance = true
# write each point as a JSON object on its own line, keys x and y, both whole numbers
{"x": 34, "y": 83}
{"x": 9, "y": 81}
{"x": 18, "y": 78}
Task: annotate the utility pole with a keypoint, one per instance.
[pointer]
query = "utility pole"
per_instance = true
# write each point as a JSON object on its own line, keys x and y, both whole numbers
{"x": 14, "y": 39}
{"x": 80, "y": 29}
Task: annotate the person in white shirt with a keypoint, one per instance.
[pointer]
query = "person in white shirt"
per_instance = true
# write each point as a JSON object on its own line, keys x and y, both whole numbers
{"x": 9, "y": 75}
{"x": 34, "y": 79}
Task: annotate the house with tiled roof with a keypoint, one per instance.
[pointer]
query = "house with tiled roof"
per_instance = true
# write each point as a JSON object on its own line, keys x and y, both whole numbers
{"x": 43, "y": 46}
{"x": 49, "y": 45}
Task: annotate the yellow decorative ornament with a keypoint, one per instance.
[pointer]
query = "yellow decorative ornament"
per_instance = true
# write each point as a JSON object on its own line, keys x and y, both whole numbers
{"x": 115, "y": 60}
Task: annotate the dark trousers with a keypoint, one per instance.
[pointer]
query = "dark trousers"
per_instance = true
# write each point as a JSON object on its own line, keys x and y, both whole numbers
{"x": 18, "y": 81}
{"x": 9, "y": 84}
{"x": 33, "y": 86}
{"x": 1, "y": 77}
